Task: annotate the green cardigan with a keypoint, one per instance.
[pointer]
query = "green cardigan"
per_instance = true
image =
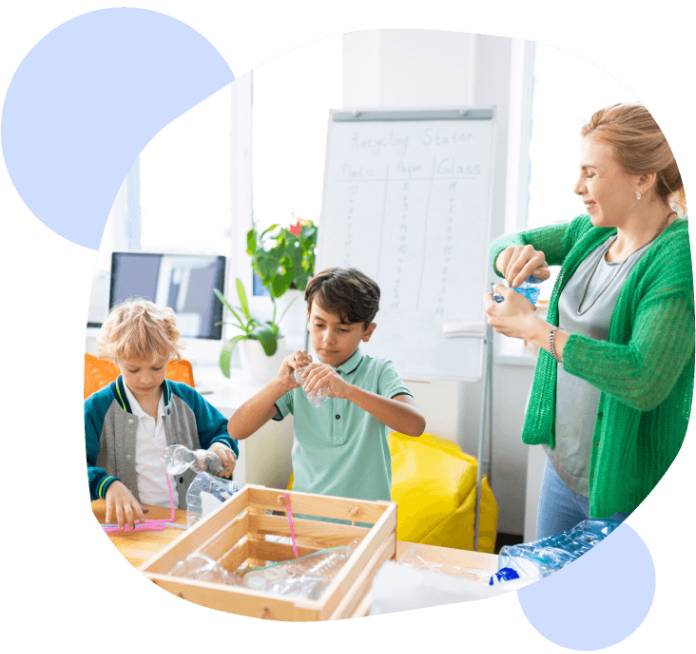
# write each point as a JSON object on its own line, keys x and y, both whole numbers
{"x": 644, "y": 370}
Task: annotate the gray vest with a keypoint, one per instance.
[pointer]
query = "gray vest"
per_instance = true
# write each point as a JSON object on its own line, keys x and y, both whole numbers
{"x": 117, "y": 443}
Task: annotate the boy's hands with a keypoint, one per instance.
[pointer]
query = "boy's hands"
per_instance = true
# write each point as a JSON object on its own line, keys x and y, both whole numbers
{"x": 122, "y": 507}
{"x": 286, "y": 373}
{"x": 227, "y": 457}
{"x": 321, "y": 376}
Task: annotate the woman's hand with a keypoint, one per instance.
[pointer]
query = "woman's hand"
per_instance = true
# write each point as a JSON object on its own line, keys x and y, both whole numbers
{"x": 122, "y": 507}
{"x": 227, "y": 458}
{"x": 515, "y": 316}
{"x": 518, "y": 262}
{"x": 320, "y": 376}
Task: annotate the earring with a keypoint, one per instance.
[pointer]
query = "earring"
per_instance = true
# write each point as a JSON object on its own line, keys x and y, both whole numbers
{"x": 638, "y": 195}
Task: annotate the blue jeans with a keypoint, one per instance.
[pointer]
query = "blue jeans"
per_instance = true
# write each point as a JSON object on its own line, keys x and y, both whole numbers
{"x": 559, "y": 507}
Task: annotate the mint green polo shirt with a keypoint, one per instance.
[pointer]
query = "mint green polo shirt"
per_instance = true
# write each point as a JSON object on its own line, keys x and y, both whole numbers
{"x": 338, "y": 448}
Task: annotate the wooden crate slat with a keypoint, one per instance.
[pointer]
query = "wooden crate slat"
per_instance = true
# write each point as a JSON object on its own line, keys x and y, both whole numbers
{"x": 198, "y": 535}
{"x": 227, "y": 537}
{"x": 234, "y": 557}
{"x": 383, "y": 530}
{"x": 312, "y": 532}
{"x": 348, "y": 606}
{"x": 236, "y": 599}
{"x": 340, "y": 508}
{"x": 267, "y": 550}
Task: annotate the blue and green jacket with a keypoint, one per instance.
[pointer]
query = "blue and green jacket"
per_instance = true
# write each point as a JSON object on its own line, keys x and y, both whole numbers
{"x": 110, "y": 429}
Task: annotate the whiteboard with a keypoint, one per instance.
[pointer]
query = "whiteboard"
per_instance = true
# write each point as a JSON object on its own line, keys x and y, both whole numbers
{"x": 407, "y": 200}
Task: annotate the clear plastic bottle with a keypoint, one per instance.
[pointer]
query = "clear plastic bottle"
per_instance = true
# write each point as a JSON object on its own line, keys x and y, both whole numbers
{"x": 221, "y": 489}
{"x": 315, "y": 399}
{"x": 542, "y": 557}
{"x": 179, "y": 458}
{"x": 201, "y": 567}
{"x": 305, "y": 577}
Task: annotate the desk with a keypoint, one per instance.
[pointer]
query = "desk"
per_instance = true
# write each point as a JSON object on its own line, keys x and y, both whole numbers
{"x": 138, "y": 547}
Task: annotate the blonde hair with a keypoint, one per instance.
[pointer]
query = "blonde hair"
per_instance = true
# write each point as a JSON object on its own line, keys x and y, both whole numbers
{"x": 640, "y": 147}
{"x": 139, "y": 329}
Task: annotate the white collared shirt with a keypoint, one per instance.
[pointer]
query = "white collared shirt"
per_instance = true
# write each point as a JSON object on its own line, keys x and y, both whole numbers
{"x": 150, "y": 444}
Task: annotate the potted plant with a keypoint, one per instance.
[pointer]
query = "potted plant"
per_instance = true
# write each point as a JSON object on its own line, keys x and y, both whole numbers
{"x": 261, "y": 356}
{"x": 283, "y": 259}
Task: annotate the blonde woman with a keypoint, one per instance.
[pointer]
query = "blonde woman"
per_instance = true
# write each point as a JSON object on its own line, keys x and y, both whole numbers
{"x": 612, "y": 389}
{"x": 129, "y": 423}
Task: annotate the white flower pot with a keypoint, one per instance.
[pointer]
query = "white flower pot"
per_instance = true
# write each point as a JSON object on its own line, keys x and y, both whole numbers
{"x": 258, "y": 367}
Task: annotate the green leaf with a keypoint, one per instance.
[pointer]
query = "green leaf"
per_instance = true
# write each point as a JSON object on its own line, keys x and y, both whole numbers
{"x": 281, "y": 284}
{"x": 265, "y": 266}
{"x": 230, "y": 308}
{"x": 268, "y": 339}
{"x": 226, "y": 352}
{"x": 243, "y": 302}
{"x": 274, "y": 327}
{"x": 251, "y": 242}
{"x": 269, "y": 229}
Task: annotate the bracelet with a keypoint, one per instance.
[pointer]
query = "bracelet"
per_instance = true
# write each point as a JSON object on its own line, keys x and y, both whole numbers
{"x": 552, "y": 344}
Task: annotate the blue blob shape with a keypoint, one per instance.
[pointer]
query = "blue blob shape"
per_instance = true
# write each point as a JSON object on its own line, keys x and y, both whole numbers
{"x": 599, "y": 599}
{"x": 87, "y": 99}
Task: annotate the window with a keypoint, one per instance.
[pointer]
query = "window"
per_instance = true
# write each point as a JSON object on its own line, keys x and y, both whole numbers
{"x": 291, "y": 100}
{"x": 567, "y": 91}
{"x": 185, "y": 187}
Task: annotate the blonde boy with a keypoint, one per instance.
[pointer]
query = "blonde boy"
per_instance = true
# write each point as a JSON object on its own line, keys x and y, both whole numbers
{"x": 129, "y": 423}
{"x": 340, "y": 448}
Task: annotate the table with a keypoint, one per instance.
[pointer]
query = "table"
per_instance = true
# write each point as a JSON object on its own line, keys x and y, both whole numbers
{"x": 138, "y": 547}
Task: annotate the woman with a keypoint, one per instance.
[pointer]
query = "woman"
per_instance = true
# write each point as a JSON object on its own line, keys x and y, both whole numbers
{"x": 613, "y": 383}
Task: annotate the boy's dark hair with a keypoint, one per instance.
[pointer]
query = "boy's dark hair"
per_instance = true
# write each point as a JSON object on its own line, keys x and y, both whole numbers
{"x": 346, "y": 292}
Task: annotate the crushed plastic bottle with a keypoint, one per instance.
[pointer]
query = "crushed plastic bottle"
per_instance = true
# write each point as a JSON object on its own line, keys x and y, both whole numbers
{"x": 221, "y": 489}
{"x": 306, "y": 576}
{"x": 201, "y": 567}
{"x": 178, "y": 459}
{"x": 542, "y": 557}
{"x": 315, "y": 399}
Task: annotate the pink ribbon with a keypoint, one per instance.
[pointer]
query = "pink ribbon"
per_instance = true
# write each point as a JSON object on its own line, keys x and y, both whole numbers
{"x": 150, "y": 525}
{"x": 291, "y": 522}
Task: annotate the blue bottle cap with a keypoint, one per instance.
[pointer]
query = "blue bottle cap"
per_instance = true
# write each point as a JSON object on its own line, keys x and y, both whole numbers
{"x": 504, "y": 574}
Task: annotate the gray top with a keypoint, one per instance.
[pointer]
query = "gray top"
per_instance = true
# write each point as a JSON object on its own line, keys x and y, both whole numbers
{"x": 584, "y": 307}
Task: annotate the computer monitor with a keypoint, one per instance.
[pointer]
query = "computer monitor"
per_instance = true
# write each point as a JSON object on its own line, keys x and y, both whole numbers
{"x": 184, "y": 282}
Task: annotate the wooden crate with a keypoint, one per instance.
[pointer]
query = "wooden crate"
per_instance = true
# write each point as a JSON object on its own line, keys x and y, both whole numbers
{"x": 235, "y": 534}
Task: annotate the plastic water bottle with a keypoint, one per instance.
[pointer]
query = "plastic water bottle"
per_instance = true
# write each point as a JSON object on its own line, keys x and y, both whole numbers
{"x": 179, "y": 458}
{"x": 542, "y": 557}
{"x": 315, "y": 399}
{"x": 221, "y": 489}
{"x": 529, "y": 289}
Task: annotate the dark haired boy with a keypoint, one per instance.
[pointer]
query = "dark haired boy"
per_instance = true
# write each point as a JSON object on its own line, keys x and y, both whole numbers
{"x": 340, "y": 447}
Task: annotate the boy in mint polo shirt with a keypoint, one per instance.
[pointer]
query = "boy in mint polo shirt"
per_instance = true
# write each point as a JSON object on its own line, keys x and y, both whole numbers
{"x": 340, "y": 448}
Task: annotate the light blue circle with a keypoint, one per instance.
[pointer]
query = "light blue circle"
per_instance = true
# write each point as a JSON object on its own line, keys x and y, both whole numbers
{"x": 87, "y": 99}
{"x": 599, "y": 599}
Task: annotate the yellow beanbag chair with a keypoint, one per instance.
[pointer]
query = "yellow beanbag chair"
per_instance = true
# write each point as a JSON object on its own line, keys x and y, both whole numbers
{"x": 434, "y": 485}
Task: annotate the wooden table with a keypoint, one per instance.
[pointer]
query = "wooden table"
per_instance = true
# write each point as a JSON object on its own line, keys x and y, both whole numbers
{"x": 138, "y": 547}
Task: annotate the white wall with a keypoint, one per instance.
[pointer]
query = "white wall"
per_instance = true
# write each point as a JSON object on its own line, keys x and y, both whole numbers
{"x": 422, "y": 68}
